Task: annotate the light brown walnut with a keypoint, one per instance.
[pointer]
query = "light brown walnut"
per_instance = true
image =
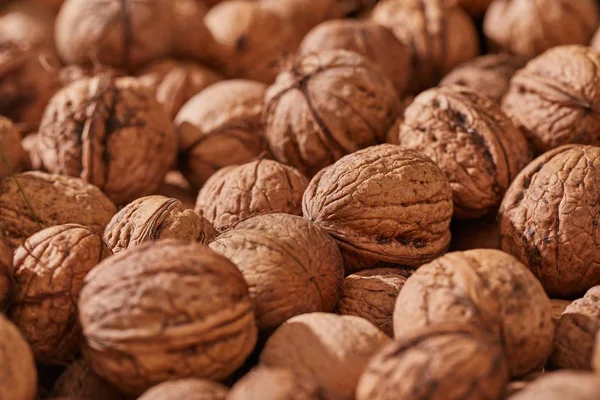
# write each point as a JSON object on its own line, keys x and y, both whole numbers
{"x": 13, "y": 157}
{"x": 266, "y": 383}
{"x": 558, "y": 307}
{"x": 7, "y": 284}
{"x": 596, "y": 354}
{"x": 28, "y": 21}
{"x": 188, "y": 389}
{"x": 29, "y": 145}
{"x": 17, "y": 368}
{"x": 572, "y": 385}
{"x": 79, "y": 382}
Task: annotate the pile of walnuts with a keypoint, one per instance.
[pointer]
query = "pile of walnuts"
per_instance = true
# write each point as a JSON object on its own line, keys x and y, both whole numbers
{"x": 299, "y": 199}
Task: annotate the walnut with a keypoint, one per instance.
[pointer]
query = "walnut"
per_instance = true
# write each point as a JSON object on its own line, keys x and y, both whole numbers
{"x": 488, "y": 289}
{"x": 333, "y": 350}
{"x": 440, "y": 37}
{"x": 189, "y": 389}
{"x": 471, "y": 140}
{"x": 73, "y": 73}
{"x": 383, "y": 205}
{"x": 489, "y": 75}
{"x": 291, "y": 266}
{"x": 13, "y": 157}
{"x": 447, "y": 361}
{"x": 27, "y": 21}
{"x": 176, "y": 186}
{"x": 265, "y": 383}
{"x": 528, "y": 28}
{"x": 516, "y": 386}
{"x": 306, "y": 14}
{"x": 110, "y": 132}
{"x": 327, "y": 105}
{"x": 367, "y": 39}
{"x": 7, "y": 284}
{"x": 480, "y": 233}
{"x": 558, "y": 307}
{"x": 32, "y": 201}
{"x": 29, "y": 145}
{"x": 220, "y": 126}
{"x": 258, "y": 187}
{"x": 165, "y": 310}
{"x": 153, "y": 218}
{"x": 371, "y": 294}
{"x": 79, "y": 382}
{"x": 17, "y": 368}
{"x": 548, "y": 219}
{"x": 175, "y": 82}
{"x": 574, "y": 385}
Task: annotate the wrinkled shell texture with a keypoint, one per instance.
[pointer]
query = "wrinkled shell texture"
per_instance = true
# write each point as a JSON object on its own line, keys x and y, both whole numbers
{"x": 78, "y": 381}
{"x": 327, "y": 105}
{"x": 440, "y": 38}
{"x": 258, "y": 187}
{"x": 549, "y": 219}
{"x": 18, "y": 376}
{"x": 489, "y": 75}
{"x": 291, "y": 266}
{"x": 11, "y": 150}
{"x": 111, "y": 133}
{"x": 55, "y": 200}
{"x": 154, "y": 218}
{"x": 558, "y": 307}
{"x": 528, "y": 28}
{"x": 371, "y": 294}
{"x": 446, "y": 362}
{"x": 331, "y": 349}
{"x": 188, "y": 389}
{"x": 165, "y": 310}
{"x": 554, "y": 99}
{"x": 72, "y": 73}
{"x": 487, "y": 289}
{"x": 562, "y": 385}
{"x": 475, "y": 8}
{"x": 221, "y": 126}
{"x": 365, "y": 38}
{"x": 383, "y": 204}
{"x": 471, "y": 140}
{"x": 264, "y": 383}
{"x": 6, "y": 273}
{"x": 49, "y": 270}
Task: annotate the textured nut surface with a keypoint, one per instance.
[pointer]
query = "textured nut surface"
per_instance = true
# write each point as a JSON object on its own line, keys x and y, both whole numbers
{"x": 549, "y": 219}
{"x": 258, "y": 187}
{"x": 266, "y": 383}
{"x": 13, "y": 157}
{"x": 18, "y": 376}
{"x": 165, "y": 310}
{"x": 383, "y": 204}
{"x": 153, "y": 218}
{"x": 371, "y": 294}
{"x": 488, "y": 289}
{"x": 449, "y": 362}
{"x": 291, "y": 266}
{"x": 558, "y": 307}
{"x": 7, "y": 284}
{"x": 189, "y": 389}
{"x": 79, "y": 382}
{"x": 331, "y": 349}
{"x": 54, "y": 200}
{"x": 109, "y": 132}
{"x": 553, "y": 100}
{"x": 576, "y": 385}
{"x": 471, "y": 140}
{"x": 327, "y": 105}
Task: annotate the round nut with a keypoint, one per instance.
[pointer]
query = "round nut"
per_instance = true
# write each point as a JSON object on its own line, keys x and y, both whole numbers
{"x": 449, "y": 361}
{"x": 291, "y": 266}
{"x": 78, "y": 381}
{"x": 549, "y": 219}
{"x": 29, "y": 145}
{"x": 13, "y": 157}
{"x": 264, "y": 383}
{"x": 32, "y": 201}
{"x": 481, "y": 233}
{"x": 383, "y": 205}
{"x": 28, "y": 21}
{"x": 17, "y": 368}
{"x": 189, "y": 389}
{"x": 163, "y": 311}
{"x": 7, "y": 284}
{"x": 111, "y": 133}
{"x": 574, "y": 385}
{"x": 471, "y": 140}
{"x": 333, "y": 350}
{"x": 258, "y": 187}
{"x": 488, "y": 289}
{"x": 558, "y": 307}
{"x": 153, "y": 218}
{"x": 327, "y": 105}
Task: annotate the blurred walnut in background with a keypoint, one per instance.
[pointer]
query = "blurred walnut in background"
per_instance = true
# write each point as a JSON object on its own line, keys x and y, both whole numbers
{"x": 28, "y": 21}
{"x": 13, "y": 157}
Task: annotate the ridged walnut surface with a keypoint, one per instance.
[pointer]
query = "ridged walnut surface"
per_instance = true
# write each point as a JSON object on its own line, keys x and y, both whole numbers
{"x": 186, "y": 389}
{"x": 79, "y": 382}
{"x": 266, "y": 383}
{"x": 13, "y": 157}
{"x": 6, "y": 273}
{"x": 574, "y": 385}
{"x": 18, "y": 376}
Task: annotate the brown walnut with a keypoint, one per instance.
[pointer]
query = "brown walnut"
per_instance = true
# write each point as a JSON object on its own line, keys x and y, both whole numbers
{"x": 13, "y": 157}
{"x": 331, "y": 349}
{"x": 258, "y": 187}
{"x": 549, "y": 219}
{"x": 29, "y": 145}
{"x": 165, "y": 310}
{"x": 265, "y": 383}
{"x": 28, "y": 21}
{"x": 572, "y": 385}
{"x": 188, "y": 389}
{"x": 79, "y": 382}
{"x": 383, "y": 205}
{"x": 475, "y": 8}
{"x": 596, "y": 354}
{"x": 17, "y": 368}
{"x": 327, "y": 105}
{"x": 110, "y": 132}
{"x": 558, "y": 307}
{"x": 73, "y": 73}
{"x": 291, "y": 266}
{"x": 7, "y": 284}
{"x": 487, "y": 289}
{"x": 446, "y": 361}
{"x": 471, "y": 140}
{"x": 32, "y": 201}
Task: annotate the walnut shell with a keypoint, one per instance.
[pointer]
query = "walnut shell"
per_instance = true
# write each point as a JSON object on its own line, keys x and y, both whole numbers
{"x": 558, "y": 307}
{"x": 383, "y": 205}
{"x": 331, "y": 349}
{"x": 572, "y": 385}
{"x": 471, "y": 140}
{"x": 596, "y": 353}
{"x": 29, "y": 22}
{"x": 327, "y": 105}
{"x": 154, "y": 218}
{"x": 165, "y": 310}
{"x": 13, "y": 157}
{"x": 265, "y": 383}
{"x": 367, "y": 39}
{"x": 306, "y": 14}
{"x": 548, "y": 219}
{"x": 73, "y": 73}
{"x": 447, "y": 361}
{"x": 291, "y": 266}
{"x": 7, "y": 284}
{"x": 258, "y": 187}
{"x": 79, "y": 382}
{"x": 480, "y": 233}
{"x": 528, "y": 28}
{"x": 29, "y": 145}
{"x": 488, "y": 289}
{"x": 188, "y": 389}
{"x": 17, "y": 368}
{"x": 111, "y": 133}
{"x": 220, "y": 126}
{"x": 440, "y": 37}
{"x": 32, "y": 201}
